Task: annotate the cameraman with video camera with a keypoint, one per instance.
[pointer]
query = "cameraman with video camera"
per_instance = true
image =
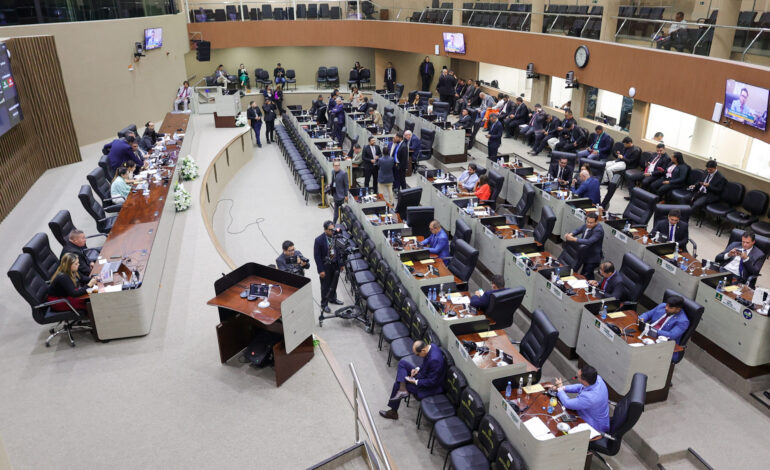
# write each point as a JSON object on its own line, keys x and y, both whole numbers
{"x": 326, "y": 260}
{"x": 291, "y": 260}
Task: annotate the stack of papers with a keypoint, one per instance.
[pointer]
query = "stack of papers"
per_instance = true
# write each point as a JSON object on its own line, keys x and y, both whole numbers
{"x": 579, "y": 284}
{"x": 538, "y": 429}
{"x": 464, "y": 300}
{"x": 585, "y": 427}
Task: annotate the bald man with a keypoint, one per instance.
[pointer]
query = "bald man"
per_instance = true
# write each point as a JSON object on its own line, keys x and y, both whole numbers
{"x": 438, "y": 242}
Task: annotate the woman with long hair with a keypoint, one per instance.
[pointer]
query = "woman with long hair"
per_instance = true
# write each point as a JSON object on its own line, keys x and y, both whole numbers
{"x": 66, "y": 283}
{"x": 120, "y": 188}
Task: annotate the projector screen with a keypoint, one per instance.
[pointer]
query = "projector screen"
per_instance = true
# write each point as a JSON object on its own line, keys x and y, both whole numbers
{"x": 454, "y": 42}
{"x": 10, "y": 109}
{"x": 746, "y": 103}
{"x": 153, "y": 38}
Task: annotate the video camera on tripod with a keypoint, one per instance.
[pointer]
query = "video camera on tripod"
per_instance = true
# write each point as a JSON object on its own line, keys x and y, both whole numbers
{"x": 342, "y": 247}
{"x": 297, "y": 264}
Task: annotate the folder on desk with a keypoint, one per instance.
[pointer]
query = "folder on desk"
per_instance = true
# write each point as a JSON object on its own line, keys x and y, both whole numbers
{"x": 503, "y": 227}
{"x": 585, "y": 427}
{"x": 538, "y": 429}
{"x": 616, "y": 315}
{"x": 427, "y": 261}
{"x": 408, "y": 263}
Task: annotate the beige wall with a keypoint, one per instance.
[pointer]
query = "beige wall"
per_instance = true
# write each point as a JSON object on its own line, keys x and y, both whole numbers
{"x": 407, "y": 65}
{"x": 304, "y": 60}
{"x": 103, "y": 94}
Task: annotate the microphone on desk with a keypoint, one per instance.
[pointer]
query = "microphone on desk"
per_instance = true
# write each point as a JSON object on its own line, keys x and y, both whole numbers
{"x": 264, "y": 303}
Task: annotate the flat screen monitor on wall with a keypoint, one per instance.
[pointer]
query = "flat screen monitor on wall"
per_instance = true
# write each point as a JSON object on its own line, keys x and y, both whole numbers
{"x": 746, "y": 103}
{"x": 153, "y": 38}
{"x": 454, "y": 42}
{"x": 10, "y": 109}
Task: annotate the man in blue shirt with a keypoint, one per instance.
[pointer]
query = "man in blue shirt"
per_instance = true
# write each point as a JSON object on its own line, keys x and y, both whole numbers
{"x": 591, "y": 402}
{"x": 122, "y": 151}
{"x": 599, "y": 146}
{"x": 589, "y": 187}
{"x": 668, "y": 319}
{"x": 469, "y": 178}
{"x": 438, "y": 242}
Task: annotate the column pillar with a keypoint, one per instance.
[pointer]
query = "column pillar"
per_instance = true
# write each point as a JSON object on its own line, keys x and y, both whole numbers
{"x": 540, "y": 89}
{"x": 610, "y": 24}
{"x": 638, "y": 127}
{"x": 457, "y": 16}
{"x": 578, "y": 101}
{"x": 722, "y": 43}
{"x": 536, "y": 19}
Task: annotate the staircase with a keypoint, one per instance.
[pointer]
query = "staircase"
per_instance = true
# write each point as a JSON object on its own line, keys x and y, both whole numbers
{"x": 357, "y": 457}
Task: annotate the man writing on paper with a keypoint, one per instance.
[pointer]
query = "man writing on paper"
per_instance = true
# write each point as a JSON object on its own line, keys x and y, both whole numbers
{"x": 592, "y": 400}
{"x": 438, "y": 242}
{"x": 480, "y": 299}
{"x": 422, "y": 382}
{"x": 612, "y": 282}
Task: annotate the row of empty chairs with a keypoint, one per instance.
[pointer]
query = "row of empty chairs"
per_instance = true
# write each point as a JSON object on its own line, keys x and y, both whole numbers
{"x": 311, "y": 11}
{"x": 307, "y": 172}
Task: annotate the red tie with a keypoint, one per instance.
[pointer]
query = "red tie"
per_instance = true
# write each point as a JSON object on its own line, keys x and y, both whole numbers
{"x": 658, "y": 324}
{"x": 604, "y": 282}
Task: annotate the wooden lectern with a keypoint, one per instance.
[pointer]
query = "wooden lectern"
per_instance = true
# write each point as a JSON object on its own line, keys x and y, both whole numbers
{"x": 290, "y": 314}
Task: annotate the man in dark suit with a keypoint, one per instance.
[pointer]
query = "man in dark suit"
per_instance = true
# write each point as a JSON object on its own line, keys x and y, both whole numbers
{"x": 465, "y": 122}
{"x": 495, "y": 136}
{"x": 669, "y": 319}
{"x": 422, "y": 382}
{"x": 655, "y": 167}
{"x": 269, "y": 112}
{"x": 480, "y": 299}
{"x": 573, "y": 139}
{"x": 317, "y": 104}
{"x": 506, "y": 109}
{"x": 445, "y": 86}
{"x": 561, "y": 172}
{"x": 399, "y": 152}
{"x": 589, "y": 187}
{"x": 673, "y": 229}
{"x": 326, "y": 262}
{"x": 414, "y": 146}
{"x": 390, "y": 77}
{"x": 742, "y": 258}
{"x": 426, "y": 73}
{"x": 535, "y": 123}
{"x": 371, "y": 153}
{"x": 459, "y": 90}
{"x": 338, "y": 188}
{"x": 549, "y": 131}
{"x": 519, "y": 116}
{"x": 599, "y": 146}
{"x": 471, "y": 91}
{"x": 562, "y": 130}
{"x": 254, "y": 115}
{"x": 589, "y": 238}
{"x": 709, "y": 190}
{"x": 611, "y": 284}
{"x": 76, "y": 244}
{"x": 626, "y": 159}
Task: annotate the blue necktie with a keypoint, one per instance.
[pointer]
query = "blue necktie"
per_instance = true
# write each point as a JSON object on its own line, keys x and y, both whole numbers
{"x": 671, "y": 233}
{"x": 740, "y": 268}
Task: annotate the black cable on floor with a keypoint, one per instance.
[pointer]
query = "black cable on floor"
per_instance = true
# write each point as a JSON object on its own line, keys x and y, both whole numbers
{"x": 232, "y": 220}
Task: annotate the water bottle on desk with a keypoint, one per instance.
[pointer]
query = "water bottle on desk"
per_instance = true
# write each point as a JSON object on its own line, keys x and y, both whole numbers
{"x": 529, "y": 381}
{"x": 521, "y": 384}
{"x": 604, "y": 311}
{"x": 627, "y": 227}
{"x": 552, "y": 404}
{"x": 508, "y": 391}
{"x": 721, "y": 285}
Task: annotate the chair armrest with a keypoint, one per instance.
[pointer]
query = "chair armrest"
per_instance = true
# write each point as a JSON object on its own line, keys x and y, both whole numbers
{"x": 514, "y": 342}
{"x": 59, "y": 301}
{"x": 113, "y": 208}
{"x": 694, "y": 247}
{"x": 96, "y": 235}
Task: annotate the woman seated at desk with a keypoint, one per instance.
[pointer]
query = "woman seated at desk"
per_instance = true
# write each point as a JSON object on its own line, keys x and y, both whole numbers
{"x": 120, "y": 188}
{"x": 483, "y": 190}
{"x": 66, "y": 283}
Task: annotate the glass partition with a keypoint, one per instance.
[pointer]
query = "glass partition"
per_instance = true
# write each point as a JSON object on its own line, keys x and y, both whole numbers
{"x": 58, "y": 11}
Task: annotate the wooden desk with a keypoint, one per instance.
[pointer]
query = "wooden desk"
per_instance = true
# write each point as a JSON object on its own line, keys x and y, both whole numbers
{"x": 563, "y": 452}
{"x": 617, "y": 358}
{"x": 481, "y": 369}
{"x": 735, "y": 334}
{"x": 669, "y": 276}
{"x": 290, "y": 315}
{"x": 439, "y": 319}
{"x": 139, "y": 238}
{"x": 493, "y": 235}
{"x": 413, "y": 282}
{"x": 375, "y": 220}
{"x": 563, "y": 310}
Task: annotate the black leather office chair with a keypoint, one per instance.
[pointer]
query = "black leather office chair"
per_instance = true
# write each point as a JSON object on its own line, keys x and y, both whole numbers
{"x": 45, "y": 260}
{"x": 624, "y": 417}
{"x": 596, "y": 167}
{"x": 436, "y": 407}
{"x": 321, "y": 73}
{"x": 612, "y": 186}
{"x": 402, "y": 328}
{"x": 398, "y": 89}
{"x": 402, "y": 347}
{"x": 545, "y": 225}
{"x": 538, "y": 342}
{"x": 755, "y": 203}
{"x": 61, "y": 225}
{"x": 464, "y": 260}
{"x": 480, "y": 454}
{"x": 636, "y": 276}
{"x": 694, "y": 312}
{"x": 496, "y": 181}
{"x": 130, "y": 127}
{"x": 103, "y": 189}
{"x": 507, "y": 456}
{"x": 34, "y": 289}
{"x": 662, "y": 210}
{"x": 427, "y": 136}
{"x": 332, "y": 76}
{"x": 103, "y": 222}
{"x": 365, "y": 78}
{"x": 641, "y": 207}
{"x": 104, "y": 164}
{"x": 503, "y": 305}
{"x": 520, "y": 213}
{"x": 557, "y": 155}
{"x": 457, "y": 431}
{"x": 409, "y": 197}
{"x": 441, "y": 109}
{"x": 761, "y": 227}
{"x": 462, "y": 232}
{"x": 388, "y": 121}
{"x": 419, "y": 219}
{"x": 352, "y": 78}
{"x": 569, "y": 255}
{"x": 409, "y": 126}
{"x": 732, "y": 196}
{"x": 683, "y": 195}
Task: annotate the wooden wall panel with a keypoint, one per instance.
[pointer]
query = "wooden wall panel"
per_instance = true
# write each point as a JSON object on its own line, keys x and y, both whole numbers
{"x": 45, "y": 138}
{"x": 691, "y": 84}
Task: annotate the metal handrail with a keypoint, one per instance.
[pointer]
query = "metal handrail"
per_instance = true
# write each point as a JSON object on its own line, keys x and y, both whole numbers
{"x": 357, "y": 390}
{"x": 690, "y": 23}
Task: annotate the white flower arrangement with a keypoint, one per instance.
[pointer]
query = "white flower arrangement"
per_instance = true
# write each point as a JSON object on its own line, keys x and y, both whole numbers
{"x": 188, "y": 168}
{"x": 182, "y": 198}
{"x": 241, "y": 120}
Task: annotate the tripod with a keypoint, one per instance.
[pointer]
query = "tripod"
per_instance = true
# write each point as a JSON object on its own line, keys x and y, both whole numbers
{"x": 349, "y": 312}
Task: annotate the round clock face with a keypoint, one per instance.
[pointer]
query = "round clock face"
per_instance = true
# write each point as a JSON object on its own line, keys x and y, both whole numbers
{"x": 581, "y": 56}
